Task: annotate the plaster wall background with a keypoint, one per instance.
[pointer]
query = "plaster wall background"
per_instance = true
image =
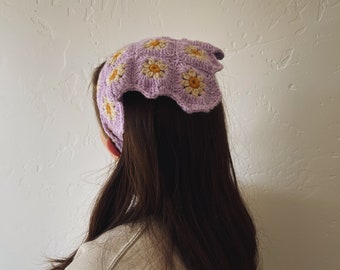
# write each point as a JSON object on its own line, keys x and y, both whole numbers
{"x": 281, "y": 86}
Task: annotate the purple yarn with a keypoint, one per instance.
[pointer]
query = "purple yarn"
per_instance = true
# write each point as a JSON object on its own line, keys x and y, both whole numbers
{"x": 183, "y": 70}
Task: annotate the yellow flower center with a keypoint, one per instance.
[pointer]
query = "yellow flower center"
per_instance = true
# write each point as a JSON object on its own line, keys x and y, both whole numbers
{"x": 113, "y": 74}
{"x": 155, "y": 43}
{"x": 154, "y": 68}
{"x": 194, "y": 82}
{"x": 116, "y": 55}
{"x": 108, "y": 109}
{"x": 196, "y": 52}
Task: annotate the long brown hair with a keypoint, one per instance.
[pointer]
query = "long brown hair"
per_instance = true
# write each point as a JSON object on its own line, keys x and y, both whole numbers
{"x": 179, "y": 167}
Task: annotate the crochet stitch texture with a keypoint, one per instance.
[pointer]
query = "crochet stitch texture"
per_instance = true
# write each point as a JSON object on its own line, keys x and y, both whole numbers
{"x": 183, "y": 70}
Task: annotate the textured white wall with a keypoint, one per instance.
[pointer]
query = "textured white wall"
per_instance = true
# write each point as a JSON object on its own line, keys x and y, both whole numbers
{"x": 282, "y": 90}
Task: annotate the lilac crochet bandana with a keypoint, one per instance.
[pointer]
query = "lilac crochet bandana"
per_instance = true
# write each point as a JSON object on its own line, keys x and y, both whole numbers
{"x": 183, "y": 70}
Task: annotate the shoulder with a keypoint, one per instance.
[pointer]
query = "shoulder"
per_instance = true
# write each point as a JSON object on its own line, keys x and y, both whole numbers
{"x": 124, "y": 247}
{"x": 107, "y": 249}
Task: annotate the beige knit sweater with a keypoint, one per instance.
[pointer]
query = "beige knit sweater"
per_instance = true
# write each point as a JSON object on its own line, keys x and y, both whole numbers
{"x": 124, "y": 247}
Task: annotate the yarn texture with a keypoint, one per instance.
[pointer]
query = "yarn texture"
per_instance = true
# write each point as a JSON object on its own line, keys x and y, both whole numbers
{"x": 183, "y": 70}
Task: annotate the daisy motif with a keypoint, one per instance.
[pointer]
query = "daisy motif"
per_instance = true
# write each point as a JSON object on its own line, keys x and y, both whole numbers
{"x": 109, "y": 109}
{"x": 116, "y": 74}
{"x": 155, "y": 44}
{"x": 154, "y": 69}
{"x": 193, "y": 83}
{"x": 195, "y": 52}
{"x": 116, "y": 56}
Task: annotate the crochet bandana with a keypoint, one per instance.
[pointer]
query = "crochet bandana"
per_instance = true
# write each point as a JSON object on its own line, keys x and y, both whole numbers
{"x": 183, "y": 70}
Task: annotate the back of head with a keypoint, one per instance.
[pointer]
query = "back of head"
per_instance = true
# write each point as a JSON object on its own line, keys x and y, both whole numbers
{"x": 180, "y": 154}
